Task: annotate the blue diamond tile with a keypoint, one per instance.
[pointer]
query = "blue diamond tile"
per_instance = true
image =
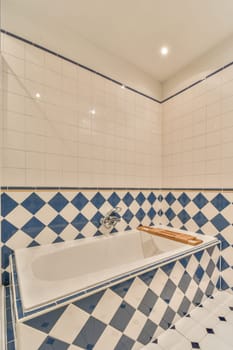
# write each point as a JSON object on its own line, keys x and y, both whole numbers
{"x": 168, "y": 268}
{"x": 114, "y": 199}
{"x": 122, "y": 317}
{"x": 128, "y": 199}
{"x": 184, "y": 199}
{"x": 151, "y": 213}
{"x": 183, "y": 216}
{"x": 167, "y": 319}
{"x": 140, "y": 214}
{"x": 199, "y": 255}
{"x": 33, "y": 203}
{"x": 220, "y": 202}
{"x": 89, "y": 304}
{"x": 168, "y": 291}
{"x": 184, "y": 282}
{"x": 147, "y": 332}
{"x": 47, "y": 321}
{"x": 184, "y": 307}
{"x": 96, "y": 219}
{"x": 170, "y": 199}
{"x": 90, "y": 333}
{"x": 122, "y": 288}
{"x": 7, "y": 230}
{"x": 170, "y": 214}
{"x": 151, "y": 198}
{"x": 147, "y": 277}
{"x": 127, "y": 216}
{"x": 33, "y": 227}
{"x": 148, "y": 302}
{"x": 224, "y": 242}
{"x": 98, "y": 200}
{"x": 200, "y": 201}
{"x": 220, "y": 222}
{"x": 140, "y": 199}
{"x": 58, "y": 224}
{"x": 200, "y": 219}
{"x": 125, "y": 343}
{"x": 52, "y": 344}
{"x": 199, "y": 274}
{"x": 79, "y": 201}
{"x": 7, "y": 204}
{"x": 79, "y": 222}
{"x": 58, "y": 202}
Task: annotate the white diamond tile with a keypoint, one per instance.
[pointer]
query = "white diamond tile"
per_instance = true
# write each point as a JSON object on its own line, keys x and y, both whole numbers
{"x": 158, "y": 282}
{"x": 46, "y": 236}
{"x": 19, "y": 240}
{"x": 69, "y": 212}
{"x": 66, "y": 327}
{"x": 135, "y": 325}
{"x": 136, "y": 292}
{"x": 109, "y": 339}
{"x": 19, "y": 216}
{"x": 158, "y": 311}
{"x": 46, "y": 214}
{"x": 107, "y": 306}
{"x": 69, "y": 233}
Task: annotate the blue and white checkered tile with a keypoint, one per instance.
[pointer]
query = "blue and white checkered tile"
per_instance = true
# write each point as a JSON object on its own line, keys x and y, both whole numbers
{"x": 128, "y": 315}
{"x": 37, "y": 218}
{"x": 208, "y": 212}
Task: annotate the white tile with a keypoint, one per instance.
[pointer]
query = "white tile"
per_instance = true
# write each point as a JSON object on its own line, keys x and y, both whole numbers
{"x": 72, "y": 319}
{"x": 29, "y": 338}
{"x": 107, "y": 306}
{"x": 169, "y": 338}
{"x": 136, "y": 292}
{"x": 108, "y": 339}
{"x": 211, "y": 342}
{"x": 135, "y": 325}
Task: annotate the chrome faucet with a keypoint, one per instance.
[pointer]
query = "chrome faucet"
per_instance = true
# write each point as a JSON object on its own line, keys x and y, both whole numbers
{"x": 110, "y": 220}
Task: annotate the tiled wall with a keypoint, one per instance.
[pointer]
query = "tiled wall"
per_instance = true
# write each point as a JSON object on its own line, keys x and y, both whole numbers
{"x": 198, "y": 135}
{"x": 205, "y": 212}
{"x": 82, "y": 130}
{"x": 43, "y": 217}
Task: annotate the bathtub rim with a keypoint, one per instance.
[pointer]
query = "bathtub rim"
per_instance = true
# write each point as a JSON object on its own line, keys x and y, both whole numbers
{"x": 22, "y": 316}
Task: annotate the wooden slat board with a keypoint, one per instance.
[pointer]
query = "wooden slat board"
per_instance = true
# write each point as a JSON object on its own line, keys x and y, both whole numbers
{"x": 174, "y": 236}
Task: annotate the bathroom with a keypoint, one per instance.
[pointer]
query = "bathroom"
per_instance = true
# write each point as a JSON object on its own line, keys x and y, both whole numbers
{"x": 116, "y": 171}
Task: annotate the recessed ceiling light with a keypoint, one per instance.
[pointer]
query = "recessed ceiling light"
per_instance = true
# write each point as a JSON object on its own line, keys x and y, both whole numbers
{"x": 37, "y": 95}
{"x": 164, "y": 50}
{"x": 123, "y": 86}
{"x": 92, "y": 111}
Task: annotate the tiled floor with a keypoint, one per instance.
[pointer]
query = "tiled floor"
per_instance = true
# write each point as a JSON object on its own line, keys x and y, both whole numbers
{"x": 208, "y": 327}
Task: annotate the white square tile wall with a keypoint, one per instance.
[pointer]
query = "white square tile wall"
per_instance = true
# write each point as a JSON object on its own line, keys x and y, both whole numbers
{"x": 198, "y": 135}
{"x": 65, "y": 126}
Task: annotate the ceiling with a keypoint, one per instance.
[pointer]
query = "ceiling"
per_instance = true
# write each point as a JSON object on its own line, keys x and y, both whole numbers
{"x": 136, "y": 29}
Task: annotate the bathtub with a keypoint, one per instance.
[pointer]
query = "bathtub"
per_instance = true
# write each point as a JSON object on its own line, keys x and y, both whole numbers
{"x": 51, "y": 272}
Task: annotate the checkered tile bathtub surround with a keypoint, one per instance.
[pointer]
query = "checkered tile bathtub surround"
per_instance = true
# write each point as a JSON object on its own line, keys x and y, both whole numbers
{"x": 128, "y": 315}
{"x": 43, "y": 217}
{"x": 207, "y": 212}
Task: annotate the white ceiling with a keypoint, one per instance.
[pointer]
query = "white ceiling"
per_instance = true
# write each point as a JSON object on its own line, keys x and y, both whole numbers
{"x": 136, "y": 29}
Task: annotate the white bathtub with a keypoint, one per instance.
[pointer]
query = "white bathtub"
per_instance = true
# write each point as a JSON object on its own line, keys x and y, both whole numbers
{"x": 50, "y": 272}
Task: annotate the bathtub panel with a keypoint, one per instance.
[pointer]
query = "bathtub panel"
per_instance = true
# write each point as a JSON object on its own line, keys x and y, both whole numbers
{"x": 138, "y": 311}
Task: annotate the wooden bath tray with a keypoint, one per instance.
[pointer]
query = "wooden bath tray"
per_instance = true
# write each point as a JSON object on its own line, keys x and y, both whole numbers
{"x": 174, "y": 236}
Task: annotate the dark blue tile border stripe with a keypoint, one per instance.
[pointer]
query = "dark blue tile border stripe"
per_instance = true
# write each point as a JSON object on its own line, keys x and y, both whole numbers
{"x": 45, "y": 188}
{"x": 78, "y": 64}
{"x": 111, "y": 79}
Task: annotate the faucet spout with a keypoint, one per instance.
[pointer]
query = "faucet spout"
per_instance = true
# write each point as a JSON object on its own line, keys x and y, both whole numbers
{"x": 110, "y": 220}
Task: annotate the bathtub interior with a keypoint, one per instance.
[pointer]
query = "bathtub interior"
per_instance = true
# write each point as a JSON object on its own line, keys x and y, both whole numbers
{"x": 48, "y": 273}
